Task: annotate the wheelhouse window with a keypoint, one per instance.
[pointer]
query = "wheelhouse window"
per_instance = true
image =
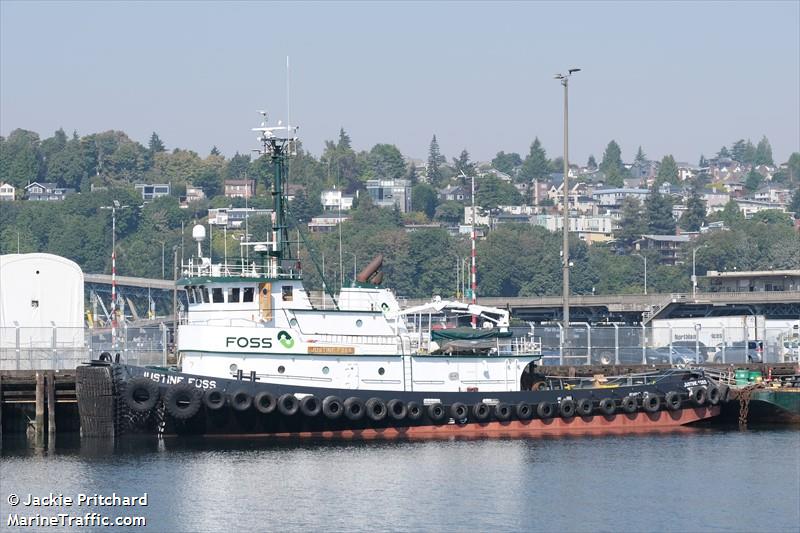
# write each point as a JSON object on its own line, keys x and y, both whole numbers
{"x": 204, "y": 292}
{"x": 233, "y": 295}
{"x": 190, "y": 294}
{"x": 216, "y": 294}
{"x": 248, "y": 294}
{"x": 286, "y": 292}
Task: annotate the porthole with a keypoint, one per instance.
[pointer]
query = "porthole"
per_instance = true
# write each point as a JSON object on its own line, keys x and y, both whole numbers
{"x": 293, "y": 322}
{"x": 381, "y": 371}
{"x": 359, "y": 323}
{"x": 325, "y": 370}
{"x": 281, "y": 369}
{"x": 234, "y": 367}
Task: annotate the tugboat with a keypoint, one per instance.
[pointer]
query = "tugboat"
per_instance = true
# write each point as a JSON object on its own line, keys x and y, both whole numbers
{"x": 257, "y": 357}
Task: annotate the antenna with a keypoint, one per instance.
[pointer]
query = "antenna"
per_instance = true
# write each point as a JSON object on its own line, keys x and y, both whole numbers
{"x": 473, "y": 273}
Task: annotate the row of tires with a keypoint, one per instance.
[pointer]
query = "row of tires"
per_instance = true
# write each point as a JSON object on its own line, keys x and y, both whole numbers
{"x": 183, "y": 401}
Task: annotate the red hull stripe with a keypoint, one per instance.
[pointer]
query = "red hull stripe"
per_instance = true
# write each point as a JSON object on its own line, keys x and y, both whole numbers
{"x": 620, "y": 423}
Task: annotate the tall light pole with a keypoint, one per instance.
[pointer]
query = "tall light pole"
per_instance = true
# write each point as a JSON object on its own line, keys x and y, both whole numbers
{"x": 162, "y": 260}
{"x": 694, "y": 273}
{"x": 564, "y": 78}
{"x": 115, "y": 205}
{"x": 645, "y": 271}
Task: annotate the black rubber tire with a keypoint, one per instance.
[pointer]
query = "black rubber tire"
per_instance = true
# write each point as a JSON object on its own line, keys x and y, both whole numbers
{"x": 698, "y": 396}
{"x": 724, "y": 392}
{"x": 397, "y": 409}
{"x": 354, "y": 408}
{"x": 141, "y": 394}
{"x": 524, "y": 411}
{"x": 651, "y": 403}
{"x": 415, "y": 411}
{"x": 502, "y": 411}
{"x": 436, "y": 412}
{"x": 182, "y": 401}
{"x": 376, "y": 409}
{"x": 539, "y": 385}
{"x": 288, "y": 404}
{"x": 607, "y": 406}
{"x": 481, "y": 412}
{"x": 629, "y": 404}
{"x": 584, "y": 407}
{"x": 265, "y": 403}
{"x": 545, "y": 410}
{"x": 459, "y": 411}
{"x": 673, "y": 400}
{"x": 713, "y": 394}
{"x": 105, "y": 357}
{"x": 566, "y": 408}
{"x": 310, "y": 405}
{"x": 332, "y": 407}
{"x": 241, "y": 400}
{"x": 214, "y": 399}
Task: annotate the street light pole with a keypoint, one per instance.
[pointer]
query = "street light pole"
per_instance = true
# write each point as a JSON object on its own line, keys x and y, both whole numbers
{"x": 565, "y": 246}
{"x": 645, "y": 271}
{"x": 694, "y": 273}
{"x": 162, "y": 260}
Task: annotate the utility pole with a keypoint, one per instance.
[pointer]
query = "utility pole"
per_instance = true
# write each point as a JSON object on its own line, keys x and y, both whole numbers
{"x": 115, "y": 205}
{"x": 565, "y": 246}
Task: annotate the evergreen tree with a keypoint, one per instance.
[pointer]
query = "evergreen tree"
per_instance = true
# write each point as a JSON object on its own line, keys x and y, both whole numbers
{"x": 214, "y": 150}
{"x": 155, "y": 145}
{"x": 462, "y": 164}
{"x": 424, "y": 199}
{"x": 535, "y": 165}
{"x": 412, "y": 176}
{"x": 237, "y": 167}
{"x": 723, "y": 152}
{"x": 641, "y": 158}
{"x": 695, "y": 215}
{"x": 731, "y": 214}
{"x": 591, "y": 163}
{"x": 632, "y": 223}
{"x": 387, "y": 162}
{"x": 507, "y": 163}
{"x": 659, "y": 213}
{"x": 703, "y": 162}
{"x": 612, "y": 166}
{"x": 794, "y": 205}
{"x": 344, "y": 141}
{"x": 763, "y": 155}
{"x": 793, "y": 166}
{"x": 668, "y": 171}
{"x": 753, "y": 180}
{"x": 435, "y": 162}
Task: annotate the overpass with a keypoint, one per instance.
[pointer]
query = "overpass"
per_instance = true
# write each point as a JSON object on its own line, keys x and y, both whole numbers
{"x": 139, "y": 299}
{"x": 641, "y": 308}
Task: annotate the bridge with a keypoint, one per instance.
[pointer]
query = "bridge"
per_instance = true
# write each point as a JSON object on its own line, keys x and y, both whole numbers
{"x": 139, "y": 299}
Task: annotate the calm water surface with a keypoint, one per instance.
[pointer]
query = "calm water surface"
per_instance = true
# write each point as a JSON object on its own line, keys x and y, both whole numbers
{"x": 710, "y": 480}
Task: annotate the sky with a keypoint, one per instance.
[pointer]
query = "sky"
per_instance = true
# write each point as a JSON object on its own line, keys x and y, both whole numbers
{"x": 674, "y": 77}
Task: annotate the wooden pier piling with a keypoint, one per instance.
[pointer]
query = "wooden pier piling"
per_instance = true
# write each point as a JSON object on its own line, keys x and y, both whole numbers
{"x": 1, "y": 412}
{"x": 40, "y": 410}
{"x": 51, "y": 408}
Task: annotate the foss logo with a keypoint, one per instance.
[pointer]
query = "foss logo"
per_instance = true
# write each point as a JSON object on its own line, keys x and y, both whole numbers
{"x": 249, "y": 342}
{"x": 285, "y": 339}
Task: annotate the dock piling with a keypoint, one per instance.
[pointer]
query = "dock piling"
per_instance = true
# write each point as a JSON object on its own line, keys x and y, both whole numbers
{"x": 51, "y": 408}
{"x": 39, "y": 410}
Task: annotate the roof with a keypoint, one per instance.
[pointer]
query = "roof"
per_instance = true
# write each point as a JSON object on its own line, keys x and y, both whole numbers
{"x": 621, "y": 191}
{"x": 752, "y": 273}
{"x": 668, "y": 238}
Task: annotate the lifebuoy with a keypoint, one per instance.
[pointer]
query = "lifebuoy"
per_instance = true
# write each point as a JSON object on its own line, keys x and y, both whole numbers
{"x": 673, "y": 400}
{"x": 436, "y": 412}
{"x": 698, "y": 395}
{"x": 332, "y": 407}
{"x": 354, "y": 408}
{"x": 182, "y": 401}
{"x": 141, "y": 394}
{"x": 376, "y": 409}
{"x": 607, "y": 406}
{"x": 310, "y": 405}
{"x": 713, "y": 394}
{"x": 545, "y": 410}
{"x": 567, "y": 408}
{"x": 481, "y": 411}
{"x": 397, "y": 409}
{"x": 502, "y": 411}
{"x": 241, "y": 400}
{"x": 264, "y": 402}
{"x": 414, "y": 411}
{"x": 214, "y": 399}
{"x": 629, "y": 404}
{"x": 651, "y": 403}
{"x": 288, "y": 404}
{"x": 459, "y": 411}
{"x": 524, "y": 411}
{"x": 584, "y": 407}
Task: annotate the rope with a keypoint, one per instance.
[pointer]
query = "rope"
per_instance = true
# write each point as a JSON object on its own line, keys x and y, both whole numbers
{"x": 744, "y": 402}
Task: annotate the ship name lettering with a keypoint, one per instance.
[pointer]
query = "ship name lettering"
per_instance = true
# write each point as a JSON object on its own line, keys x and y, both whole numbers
{"x": 251, "y": 342}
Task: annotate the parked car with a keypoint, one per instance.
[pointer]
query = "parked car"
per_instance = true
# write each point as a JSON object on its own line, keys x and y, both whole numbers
{"x": 740, "y": 352}
{"x": 698, "y": 348}
{"x": 790, "y": 351}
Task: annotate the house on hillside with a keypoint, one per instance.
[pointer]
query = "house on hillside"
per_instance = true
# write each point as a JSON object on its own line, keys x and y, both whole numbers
{"x": 335, "y": 200}
{"x": 390, "y": 193}
{"x": 240, "y": 188}
{"x": 669, "y": 247}
{"x": 613, "y": 198}
{"x": 454, "y": 193}
{"x": 46, "y": 192}
{"x": 150, "y": 192}
{"x": 7, "y": 192}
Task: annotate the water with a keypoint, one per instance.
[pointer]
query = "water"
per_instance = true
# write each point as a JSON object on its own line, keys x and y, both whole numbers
{"x": 692, "y": 480}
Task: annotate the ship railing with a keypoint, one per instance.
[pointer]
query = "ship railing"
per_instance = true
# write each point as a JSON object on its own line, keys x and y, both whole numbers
{"x": 325, "y": 338}
{"x": 246, "y": 268}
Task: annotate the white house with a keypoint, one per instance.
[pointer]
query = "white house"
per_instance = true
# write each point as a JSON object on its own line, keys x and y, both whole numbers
{"x": 7, "y": 192}
{"x": 335, "y": 200}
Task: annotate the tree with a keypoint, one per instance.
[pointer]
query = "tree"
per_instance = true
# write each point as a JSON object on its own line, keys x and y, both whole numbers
{"x": 20, "y": 158}
{"x": 793, "y": 166}
{"x": 612, "y": 166}
{"x": 386, "y": 162}
{"x": 536, "y": 166}
{"x": 754, "y": 179}
{"x": 450, "y": 212}
{"x": 424, "y": 199}
{"x": 659, "y": 213}
{"x": 703, "y": 162}
{"x": 723, "y": 152}
{"x": 591, "y": 163}
{"x": 794, "y": 205}
{"x": 435, "y": 162}
{"x": 668, "y": 171}
{"x": 731, "y": 214}
{"x": 507, "y": 163}
{"x": 155, "y": 145}
{"x": 463, "y": 164}
{"x": 763, "y": 154}
{"x": 641, "y": 158}
{"x": 743, "y": 151}
{"x": 632, "y": 223}
{"x": 214, "y": 150}
{"x": 412, "y": 176}
{"x": 695, "y": 215}
{"x": 237, "y": 167}
{"x": 493, "y": 192}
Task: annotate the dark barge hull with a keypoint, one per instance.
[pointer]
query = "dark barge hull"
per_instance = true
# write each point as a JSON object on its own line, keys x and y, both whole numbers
{"x": 106, "y": 411}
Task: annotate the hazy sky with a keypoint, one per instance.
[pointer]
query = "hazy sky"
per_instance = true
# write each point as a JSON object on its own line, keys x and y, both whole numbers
{"x": 680, "y": 78}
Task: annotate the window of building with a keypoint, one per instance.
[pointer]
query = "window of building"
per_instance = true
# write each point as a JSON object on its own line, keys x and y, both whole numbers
{"x": 233, "y": 295}
{"x": 216, "y": 294}
{"x": 248, "y": 294}
{"x": 286, "y": 292}
{"x": 204, "y": 292}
